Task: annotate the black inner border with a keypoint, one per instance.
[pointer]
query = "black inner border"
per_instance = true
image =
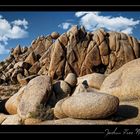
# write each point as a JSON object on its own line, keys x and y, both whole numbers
{"x": 69, "y": 8}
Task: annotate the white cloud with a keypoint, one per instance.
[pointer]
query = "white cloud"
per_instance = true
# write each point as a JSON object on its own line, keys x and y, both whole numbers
{"x": 11, "y": 30}
{"x": 4, "y": 27}
{"x": 3, "y": 39}
{"x": 79, "y": 14}
{"x": 93, "y": 21}
{"x": 17, "y": 32}
{"x": 19, "y": 22}
{"x": 65, "y": 25}
{"x": 3, "y": 50}
{"x": 127, "y": 30}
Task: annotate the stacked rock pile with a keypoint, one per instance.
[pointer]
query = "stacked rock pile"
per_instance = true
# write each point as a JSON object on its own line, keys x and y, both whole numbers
{"x": 72, "y": 75}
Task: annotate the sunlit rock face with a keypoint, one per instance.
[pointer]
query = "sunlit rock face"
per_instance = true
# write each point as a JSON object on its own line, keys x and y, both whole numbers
{"x": 75, "y": 51}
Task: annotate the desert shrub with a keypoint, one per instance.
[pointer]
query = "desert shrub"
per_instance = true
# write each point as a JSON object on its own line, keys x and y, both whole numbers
{"x": 43, "y": 113}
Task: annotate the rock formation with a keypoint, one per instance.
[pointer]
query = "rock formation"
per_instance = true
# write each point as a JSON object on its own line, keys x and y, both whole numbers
{"x": 75, "y": 51}
{"x": 69, "y": 75}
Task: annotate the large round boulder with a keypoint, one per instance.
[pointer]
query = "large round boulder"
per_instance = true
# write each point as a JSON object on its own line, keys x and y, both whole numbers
{"x": 92, "y": 105}
{"x": 124, "y": 82}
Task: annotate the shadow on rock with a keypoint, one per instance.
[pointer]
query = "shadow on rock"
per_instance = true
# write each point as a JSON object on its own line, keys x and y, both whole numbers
{"x": 125, "y": 112}
{"x": 2, "y": 106}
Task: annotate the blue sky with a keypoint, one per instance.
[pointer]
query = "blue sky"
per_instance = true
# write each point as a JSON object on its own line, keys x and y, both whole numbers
{"x": 22, "y": 27}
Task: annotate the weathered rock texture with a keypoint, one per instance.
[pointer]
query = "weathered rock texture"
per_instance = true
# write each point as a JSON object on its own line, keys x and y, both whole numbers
{"x": 75, "y": 51}
{"x": 58, "y": 112}
{"x": 2, "y": 117}
{"x": 36, "y": 93}
{"x": 124, "y": 82}
{"x": 13, "y": 102}
{"x": 12, "y": 120}
{"x": 91, "y": 105}
{"x": 31, "y": 121}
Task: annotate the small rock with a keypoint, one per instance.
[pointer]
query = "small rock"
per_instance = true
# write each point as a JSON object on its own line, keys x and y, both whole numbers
{"x": 63, "y": 39}
{"x": 21, "y": 65}
{"x": 35, "y": 68}
{"x": 62, "y": 89}
{"x": 43, "y": 71}
{"x": 3, "y": 77}
{"x": 48, "y": 42}
{"x": 71, "y": 79}
{"x": 94, "y": 80}
{"x": 15, "y": 73}
{"x": 12, "y": 120}
{"x": 24, "y": 80}
{"x": 31, "y": 59}
{"x": 24, "y": 49}
{"x": 26, "y": 73}
{"x": 2, "y": 117}
{"x": 73, "y": 30}
{"x": 54, "y": 35}
{"x": 9, "y": 66}
{"x": 11, "y": 70}
{"x": 81, "y": 88}
{"x": 17, "y": 51}
{"x": 40, "y": 49}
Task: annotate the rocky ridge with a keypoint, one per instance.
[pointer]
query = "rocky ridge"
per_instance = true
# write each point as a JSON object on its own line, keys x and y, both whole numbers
{"x": 75, "y": 51}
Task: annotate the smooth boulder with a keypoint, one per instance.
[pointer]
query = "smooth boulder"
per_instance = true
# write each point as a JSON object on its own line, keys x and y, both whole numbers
{"x": 55, "y": 35}
{"x": 36, "y": 92}
{"x": 71, "y": 79}
{"x": 92, "y": 105}
{"x": 124, "y": 82}
{"x": 93, "y": 80}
